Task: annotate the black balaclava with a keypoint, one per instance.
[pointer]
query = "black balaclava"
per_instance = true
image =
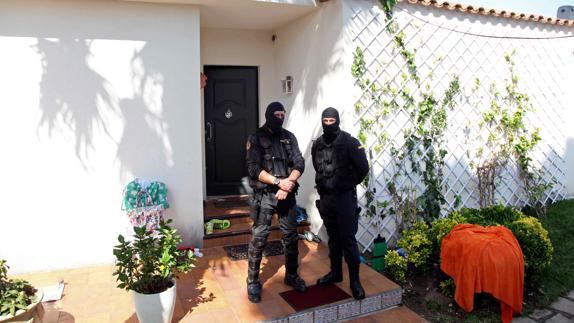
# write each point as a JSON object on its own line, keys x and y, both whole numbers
{"x": 330, "y": 132}
{"x": 271, "y": 121}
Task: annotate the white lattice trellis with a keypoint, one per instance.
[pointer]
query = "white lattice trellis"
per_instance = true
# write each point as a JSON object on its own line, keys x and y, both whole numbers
{"x": 470, "y": 49}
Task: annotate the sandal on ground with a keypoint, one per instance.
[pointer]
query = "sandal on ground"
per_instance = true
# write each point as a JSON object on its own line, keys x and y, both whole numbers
{"x": 216, "y": 224}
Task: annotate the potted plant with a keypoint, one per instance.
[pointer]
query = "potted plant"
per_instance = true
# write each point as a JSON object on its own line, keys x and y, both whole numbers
{"x": 18, "y": 299}
{"x": 148, "y": 265}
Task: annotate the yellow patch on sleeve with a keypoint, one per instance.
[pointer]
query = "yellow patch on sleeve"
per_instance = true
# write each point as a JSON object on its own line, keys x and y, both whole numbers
{"x": 248, "y": 145}
{"x": 361, "y": 147}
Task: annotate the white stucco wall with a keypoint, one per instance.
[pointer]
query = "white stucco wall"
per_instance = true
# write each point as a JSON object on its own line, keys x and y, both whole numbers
{"x": 94, "y": 94}
{"x": 313, "y": 51}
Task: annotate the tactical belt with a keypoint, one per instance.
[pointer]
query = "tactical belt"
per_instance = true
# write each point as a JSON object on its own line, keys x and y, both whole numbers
{"x": 269, "y": 189}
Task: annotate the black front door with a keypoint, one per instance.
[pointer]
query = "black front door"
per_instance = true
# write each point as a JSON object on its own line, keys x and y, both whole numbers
{"x": 231, "y": 109}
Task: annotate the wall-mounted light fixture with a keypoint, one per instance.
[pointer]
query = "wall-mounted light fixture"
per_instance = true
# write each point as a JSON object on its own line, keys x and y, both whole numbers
{"x": 287, "y": 85}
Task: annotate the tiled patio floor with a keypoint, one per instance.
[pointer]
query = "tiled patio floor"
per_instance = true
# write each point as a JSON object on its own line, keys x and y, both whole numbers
{"x": 215, "y": 291}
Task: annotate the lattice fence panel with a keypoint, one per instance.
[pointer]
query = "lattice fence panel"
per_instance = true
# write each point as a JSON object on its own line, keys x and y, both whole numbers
{"x": 447, "y": 47}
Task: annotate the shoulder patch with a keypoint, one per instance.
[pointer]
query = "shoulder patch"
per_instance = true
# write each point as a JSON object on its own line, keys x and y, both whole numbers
{"x": 361, "y": 147}
{"x": 248, "y": 145}
{"x": 285, "y": 141}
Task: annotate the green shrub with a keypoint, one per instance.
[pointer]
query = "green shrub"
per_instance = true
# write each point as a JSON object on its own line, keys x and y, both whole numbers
{"x": 15, "y": 294}
{"x": 149, "y": 263}
{"x": 491, "y": 216}
{"x": 536, "y": 246}
{"x": 447, "y": 287}
{"x": 417, "y": 244}
{"x": 440, "y": 228}
{"x": 396, "y": 266}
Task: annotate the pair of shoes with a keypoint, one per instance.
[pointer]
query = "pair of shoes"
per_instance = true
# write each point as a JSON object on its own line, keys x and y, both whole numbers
{"x": 310, "y": 236}
{"x": 216, "y": 224}
{"x": 331, "y": 278}
{"x": 296, "y": 282}
{"x": 254, "y": 292}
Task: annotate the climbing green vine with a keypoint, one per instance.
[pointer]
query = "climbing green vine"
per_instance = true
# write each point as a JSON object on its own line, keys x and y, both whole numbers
{"x": 509, "y": 138}
{"x": 422, "y": 152}
{"x": 419, "y": 158}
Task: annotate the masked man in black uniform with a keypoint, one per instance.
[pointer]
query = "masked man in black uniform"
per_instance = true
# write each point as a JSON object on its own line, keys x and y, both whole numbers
{"x": 274, "y": 163}
{"x": 340, "y": 164}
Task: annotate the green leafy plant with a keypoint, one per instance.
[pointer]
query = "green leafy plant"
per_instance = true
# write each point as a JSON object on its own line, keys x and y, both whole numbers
{"x": 388, "y": 6}
{"x": 509, "y": 139}
{"x": 442, "y": 227}
{"x": 535, "y": 243}
{"x": 447, "y": 287}
{"x": 494, "y": 215}
{"x": 396, "y": 266}
{"x": 423, "y": 151}
{"x": 15, "y": 294}
{"x": 404, "y": 207}
{"x": 417, "y": 244}
{"x": 148, "y": 264}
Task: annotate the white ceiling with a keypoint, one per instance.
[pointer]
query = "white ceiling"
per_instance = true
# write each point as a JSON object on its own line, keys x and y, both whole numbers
{"x": 246, "y": 14}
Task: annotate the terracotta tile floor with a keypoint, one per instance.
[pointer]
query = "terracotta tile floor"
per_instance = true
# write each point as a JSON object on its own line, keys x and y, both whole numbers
{"x": 215, "y": 291}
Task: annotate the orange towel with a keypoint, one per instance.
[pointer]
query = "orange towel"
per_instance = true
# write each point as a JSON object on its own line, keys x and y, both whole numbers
{"x": 484, "y": 259}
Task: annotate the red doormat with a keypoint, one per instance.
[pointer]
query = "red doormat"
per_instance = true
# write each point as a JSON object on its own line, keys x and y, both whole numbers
{"x": 314, "y": 296}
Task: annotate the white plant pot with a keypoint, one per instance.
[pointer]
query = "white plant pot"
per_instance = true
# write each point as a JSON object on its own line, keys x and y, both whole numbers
{"x": 32, "y": 314}
{"x": 155, "y": 308}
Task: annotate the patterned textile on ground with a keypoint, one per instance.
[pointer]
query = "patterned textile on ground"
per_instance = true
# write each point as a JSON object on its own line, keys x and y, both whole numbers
{"x": 484, "y": 259}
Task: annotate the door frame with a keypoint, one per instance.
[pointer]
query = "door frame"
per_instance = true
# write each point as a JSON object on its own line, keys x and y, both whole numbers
{"x": 257, "y": 117}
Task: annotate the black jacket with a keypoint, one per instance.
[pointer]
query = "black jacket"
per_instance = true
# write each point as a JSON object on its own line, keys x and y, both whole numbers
{"x": 278, "y": 154}
{"x": 340, "y": 165}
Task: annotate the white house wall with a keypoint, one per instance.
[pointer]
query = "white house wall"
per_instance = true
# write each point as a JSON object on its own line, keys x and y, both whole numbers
{"x": 93, "y": 95}
{"x": 312, "y": 51}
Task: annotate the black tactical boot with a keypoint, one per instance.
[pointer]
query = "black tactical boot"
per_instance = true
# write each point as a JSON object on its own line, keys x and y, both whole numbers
{"x": 253, "y": 283}
{"x": 296, "y": 282}
{"x": 331, "y": 278}
{"x": 356, "y": 288}
{"x": 254, "y": 292}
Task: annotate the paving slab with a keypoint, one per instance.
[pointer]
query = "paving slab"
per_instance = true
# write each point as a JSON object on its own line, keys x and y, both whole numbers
{"x": 563, "y": 305}
{"x": 523, "y": 319}
{"x": 571, "y": 294}
{"x": 559, "y": 318}
{"x": 541, "y": 314}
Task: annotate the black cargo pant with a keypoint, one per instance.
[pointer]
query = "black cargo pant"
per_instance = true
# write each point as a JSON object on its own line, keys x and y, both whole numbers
{"x": 264, "y": 205}
{"x": 339, "y": 214}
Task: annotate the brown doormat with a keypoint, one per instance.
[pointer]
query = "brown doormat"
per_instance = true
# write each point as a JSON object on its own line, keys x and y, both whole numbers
{"x": 239, "y": 252}
{"x": 314, "y": 296}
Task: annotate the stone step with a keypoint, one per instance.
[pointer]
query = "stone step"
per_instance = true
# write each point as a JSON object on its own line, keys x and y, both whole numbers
{"x": 240, "y": 233}
{"x": 373, "y": 304}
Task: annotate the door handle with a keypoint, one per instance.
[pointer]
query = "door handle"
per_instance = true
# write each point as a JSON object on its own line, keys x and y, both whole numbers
{"x": 209, "y": 131}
